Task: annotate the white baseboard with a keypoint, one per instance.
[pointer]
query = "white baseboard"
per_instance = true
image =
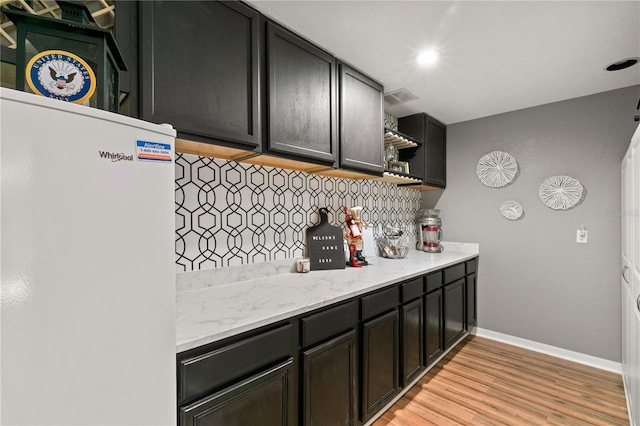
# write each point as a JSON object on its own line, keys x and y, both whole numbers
{"x": 592, "y": 361}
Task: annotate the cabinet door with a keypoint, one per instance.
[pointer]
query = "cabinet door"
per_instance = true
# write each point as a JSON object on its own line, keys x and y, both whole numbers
{"x": 627, "y": 355}
{"x": 634, "y": 217}
{"x": 302, "y": 97}
{"x": 636, "y": 368}
{"x": 429, "y": 160}
{"x": 634, "y": 343}
{"x": 471, "y": 302}
{"x": 435, "y": 147}
{"x": 200, "y": 69}
{"x": 379, "y": 363}
{"x": 126, "y": 32}
{"x": 264, "y": 399}
{"x": 453, "y": 312}
{"x": 632, "y": 370}
{"x": 626, "y": 197}
{"x": 630, "y": 348}
{"x": 412, "y": 340}
{"x": 361, "y": 122}
{"x": 630, "y": 287}
{"x": 434, "y": 326}
{"x": 330, "y": 390}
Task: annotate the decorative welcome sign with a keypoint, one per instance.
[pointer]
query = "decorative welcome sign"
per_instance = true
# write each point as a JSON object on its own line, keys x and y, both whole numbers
{"x": 325, "y": 248}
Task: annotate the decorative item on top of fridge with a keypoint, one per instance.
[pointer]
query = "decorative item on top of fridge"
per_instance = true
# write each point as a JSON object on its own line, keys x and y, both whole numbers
{"x": 70, "y": 59}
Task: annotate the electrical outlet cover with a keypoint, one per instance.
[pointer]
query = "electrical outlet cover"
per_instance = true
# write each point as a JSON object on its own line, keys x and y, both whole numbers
{"x": 581, "y": 236}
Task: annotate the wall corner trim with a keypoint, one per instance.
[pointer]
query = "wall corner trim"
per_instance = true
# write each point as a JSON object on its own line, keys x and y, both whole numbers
{"x": 580, "y": 358}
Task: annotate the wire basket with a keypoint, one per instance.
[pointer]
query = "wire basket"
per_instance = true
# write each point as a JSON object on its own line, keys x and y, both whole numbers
{"x": 392, "y": 248}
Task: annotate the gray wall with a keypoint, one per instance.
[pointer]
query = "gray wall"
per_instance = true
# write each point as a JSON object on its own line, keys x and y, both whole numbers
{"x": 535, "y": 281}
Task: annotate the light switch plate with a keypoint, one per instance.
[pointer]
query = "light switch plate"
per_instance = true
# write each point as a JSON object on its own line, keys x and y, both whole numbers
{"x": 581, "y": 236}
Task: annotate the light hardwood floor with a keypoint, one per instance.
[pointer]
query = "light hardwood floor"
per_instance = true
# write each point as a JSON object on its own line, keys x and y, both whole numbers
{"x": 484, "y": 382}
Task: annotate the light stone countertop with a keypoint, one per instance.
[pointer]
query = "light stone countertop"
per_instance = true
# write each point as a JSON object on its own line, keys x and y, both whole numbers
{"x": 218, "y": 303}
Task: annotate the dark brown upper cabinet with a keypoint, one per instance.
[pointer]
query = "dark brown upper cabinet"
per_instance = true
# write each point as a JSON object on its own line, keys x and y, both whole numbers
{"x": 238, "y": 86}
{"x": 200, "y": 70}
{"x": 361, "y": 122}
{"x": 301, "y": 97}
{"x": 429, "y": 160}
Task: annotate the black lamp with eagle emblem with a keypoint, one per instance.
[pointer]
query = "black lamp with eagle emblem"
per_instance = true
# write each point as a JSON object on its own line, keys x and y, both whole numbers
{"x": 70, "y": 59}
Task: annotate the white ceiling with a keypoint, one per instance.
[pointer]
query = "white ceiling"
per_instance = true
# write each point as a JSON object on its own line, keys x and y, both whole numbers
{"x": 495, "y": 56}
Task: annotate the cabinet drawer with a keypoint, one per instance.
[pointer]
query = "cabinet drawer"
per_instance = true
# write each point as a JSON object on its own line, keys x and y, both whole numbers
{"x": 379, "y": 302}
{"x": 202, "y": 373}
{"x": 453, "y": 273}
{"x": 472, "y": 266}
{"x": 412, "y": 289}
{"x": 266, "y": 395}
{"x": 434, "y": 281}
{"x": 328, "y": 323}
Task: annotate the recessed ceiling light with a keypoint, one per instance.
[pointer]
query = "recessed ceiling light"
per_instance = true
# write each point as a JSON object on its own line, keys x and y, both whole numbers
{"x": 428, "y": 57}
{"x": 620, "y": 65}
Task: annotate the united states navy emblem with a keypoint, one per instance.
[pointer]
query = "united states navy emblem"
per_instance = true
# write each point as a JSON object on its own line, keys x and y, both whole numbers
{"x": 61, "y": 75}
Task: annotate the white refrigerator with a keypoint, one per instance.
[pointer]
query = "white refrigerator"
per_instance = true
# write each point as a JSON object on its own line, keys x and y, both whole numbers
{"x": 87, "y": 331}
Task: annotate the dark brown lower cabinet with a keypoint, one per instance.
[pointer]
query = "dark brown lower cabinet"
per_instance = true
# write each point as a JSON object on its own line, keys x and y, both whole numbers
{"x": 330, "y": 386}
{"x": 379, "y": 362}
{"x": 264, "y": 399}
{"x": 434, "y": 326}
{"x": 472, "y": 304}
{"x": 454, "y": 311}
{"x": 412, "y": 340}
{"x": 337, "y": 366}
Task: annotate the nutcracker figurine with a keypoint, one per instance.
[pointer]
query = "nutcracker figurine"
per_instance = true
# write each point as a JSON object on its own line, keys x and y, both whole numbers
{"x": 354, "y": 237}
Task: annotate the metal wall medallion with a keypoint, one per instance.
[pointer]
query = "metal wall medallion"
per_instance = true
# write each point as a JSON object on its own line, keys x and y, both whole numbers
{"x": 561, "y": 192}
{"x": 511, "y": 210}
{"x": 497, "y": 169}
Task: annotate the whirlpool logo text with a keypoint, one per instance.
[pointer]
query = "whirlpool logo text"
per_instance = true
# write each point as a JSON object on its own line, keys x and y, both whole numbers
{"x": 113, "y": 156}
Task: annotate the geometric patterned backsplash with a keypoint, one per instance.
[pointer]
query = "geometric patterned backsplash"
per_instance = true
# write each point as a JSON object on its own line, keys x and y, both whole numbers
{"x": 229, "y": 213}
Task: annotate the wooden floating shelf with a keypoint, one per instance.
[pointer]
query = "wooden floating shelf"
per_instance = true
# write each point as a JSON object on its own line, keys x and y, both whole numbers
{"x": 346, "y": 174}
{"x": 249, "y": 157}
{"x": 420, "y": 187}
{"x": 209, "y": 150}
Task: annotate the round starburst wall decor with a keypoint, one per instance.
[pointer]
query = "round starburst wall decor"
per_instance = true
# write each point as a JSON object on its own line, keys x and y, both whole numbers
{"x": 511, "y": 210}
{"x": 561, "y": 192}
{"x": 497, "y": 169}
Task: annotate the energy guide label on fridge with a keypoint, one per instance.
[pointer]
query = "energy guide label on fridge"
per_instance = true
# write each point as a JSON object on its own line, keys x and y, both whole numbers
{"x": 153, "y": 151}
